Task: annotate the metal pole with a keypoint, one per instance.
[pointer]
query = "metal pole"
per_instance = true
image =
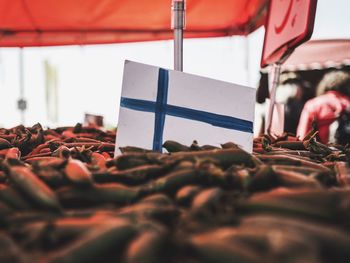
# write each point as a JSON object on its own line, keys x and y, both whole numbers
{"x": 276, "y": 70}
{"x": 247, "y": 65}
{"x": 21, "y": 101}
{"x": 178, "y": 24}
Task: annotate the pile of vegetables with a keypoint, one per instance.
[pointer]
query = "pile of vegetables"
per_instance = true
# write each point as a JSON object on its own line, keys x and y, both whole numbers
{"x": 64, "y": 198}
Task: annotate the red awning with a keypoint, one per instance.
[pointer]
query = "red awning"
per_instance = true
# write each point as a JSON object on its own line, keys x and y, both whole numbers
{"x": 318, "y": 54}
{"x": 66, "y": 22}
{"x": 311, "y": 61}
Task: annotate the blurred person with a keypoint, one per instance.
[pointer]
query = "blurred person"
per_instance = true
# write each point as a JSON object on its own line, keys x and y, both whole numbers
{"x": 290, "y": 92}
{"x": 333, "y": 98}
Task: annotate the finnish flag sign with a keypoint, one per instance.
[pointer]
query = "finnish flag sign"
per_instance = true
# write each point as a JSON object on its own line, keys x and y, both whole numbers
{"x": 159, "y": 104}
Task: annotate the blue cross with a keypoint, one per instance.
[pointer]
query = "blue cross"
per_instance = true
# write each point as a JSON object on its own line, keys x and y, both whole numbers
{"x": 161, "y": 109}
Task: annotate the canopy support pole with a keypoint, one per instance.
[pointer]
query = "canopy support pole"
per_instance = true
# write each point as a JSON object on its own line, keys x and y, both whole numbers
{"x": 21, "y": 103}
{"x": 275, "y": 71}
{"x": 247, "y": 64}
{"x": 178, "y": 24}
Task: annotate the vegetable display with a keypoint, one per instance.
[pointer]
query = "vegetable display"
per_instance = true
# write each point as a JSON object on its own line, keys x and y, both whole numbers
{"x": 65, "y": 198}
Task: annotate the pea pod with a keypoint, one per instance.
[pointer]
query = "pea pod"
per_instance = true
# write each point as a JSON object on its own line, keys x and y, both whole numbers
{"x": 13, "y": 198}
{"x": 10, "y": 252}
{"x": 131, "y": 160}
{"x": 210, "y": 205}
{"x": 185, "y": 195}
{"x": 148, "y": 247}
{"x": 4, "y": 144}
{"x": 303, "y": 203}
{"x": 165, "y": 214}
{"x": 132, "y": 176}
{"x": 157, "y": 199}
{"x": 173, "y": 146}
{"x": 332, "y": 242}
{"x": 294, "y": 179}
{"x": 99, "y": 242}
{"x": 292, "y": 145}
{"x": 35, "y": 189}
{"x": 208, "y": 250}
{"x": 98, "y": 194}
{"x": 292, "y": 160}
{"x": 225, "y": 157}
{"x": 52, "y": 177}
{"x": 133, "y": 149}
{"x": 172, "y": 181}
{"x": 77, "y": 173}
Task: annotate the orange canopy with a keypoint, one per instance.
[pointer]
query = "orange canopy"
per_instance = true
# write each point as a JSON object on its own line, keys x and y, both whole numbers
{"x": 66, "y": 22}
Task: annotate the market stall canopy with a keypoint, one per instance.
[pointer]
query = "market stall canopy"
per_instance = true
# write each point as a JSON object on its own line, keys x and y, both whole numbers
{"x": 310, "y": 62}
{"x": 70, "y": 22}
{"x": 319, "y": 54}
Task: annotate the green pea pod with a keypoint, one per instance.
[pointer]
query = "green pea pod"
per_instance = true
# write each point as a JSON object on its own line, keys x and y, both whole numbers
{"x": 4, "y": 144}
{"x": 295, "y": 179}
{"x": 224, "y": 157}
{"x": 131, "y": 160}
{"x": 292, "y": 145}
{"x": 212, "y": 206}
{"x": 207, "y": 147}
{"x": 263, "y": 179}
{"x": 35, "y": 189}
{"x": 207, "y": 200}
{"x": 132, "y": 176}
{"x": 5, "y": 214}
{"x": 98, "y": 194}
{"x": 52, "y": 177}
{"x": 314, "y": 204}
{"x": 132, "y": 149}
{"x": 172, "y": 181}
{"x": 10, "y": 252}
{"x": 167, "y": 215}
{"x": 157, "y": 199}
{"x": 173, "y": 146}
{"x": 78, "y": 174}
{"x": 209, "y": 250}
{"x": 185, "y": 195}
{"x": 100, "y": 241}
{"x": 3, "y": 177}
{"x": 229, "y": 145}
{"x": 148, "y": 247}
{"x": 11, "y": 197}
{"x": 331, "y": 241}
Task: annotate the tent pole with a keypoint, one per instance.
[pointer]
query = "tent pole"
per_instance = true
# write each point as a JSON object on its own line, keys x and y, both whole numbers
{"x": 247, "y": 64}
{"x": 178, "y": 24}
{"x": 21, "y": 103}
{"x": 275, "y": 71}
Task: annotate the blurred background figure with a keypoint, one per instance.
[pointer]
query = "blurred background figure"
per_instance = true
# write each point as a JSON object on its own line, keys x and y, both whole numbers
{"x": 292, "y": 91}
{"x": 333, "y": 98}
{"x": 93, "y": 120}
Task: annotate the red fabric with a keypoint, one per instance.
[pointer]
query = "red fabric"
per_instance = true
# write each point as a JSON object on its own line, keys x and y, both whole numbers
{"x": 66, "y": 22}
{"x": 324, "y": 109}
{"x": 319, "y": 54}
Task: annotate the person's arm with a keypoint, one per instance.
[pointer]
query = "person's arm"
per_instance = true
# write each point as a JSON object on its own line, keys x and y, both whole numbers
{"x": 305, "y": 121}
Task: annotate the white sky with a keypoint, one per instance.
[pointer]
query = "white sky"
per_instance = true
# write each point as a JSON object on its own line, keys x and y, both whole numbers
{"x": 90, "y": 77}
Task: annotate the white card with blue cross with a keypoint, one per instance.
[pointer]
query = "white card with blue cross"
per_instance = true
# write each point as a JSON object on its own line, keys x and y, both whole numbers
{"x": 159, "y": 104}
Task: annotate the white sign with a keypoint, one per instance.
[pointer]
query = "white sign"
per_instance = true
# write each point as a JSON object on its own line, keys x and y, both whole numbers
{"x": 159, "y": 104}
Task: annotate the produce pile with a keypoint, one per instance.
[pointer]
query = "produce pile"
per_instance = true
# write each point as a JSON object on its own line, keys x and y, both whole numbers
{"x": 64, "y": 198}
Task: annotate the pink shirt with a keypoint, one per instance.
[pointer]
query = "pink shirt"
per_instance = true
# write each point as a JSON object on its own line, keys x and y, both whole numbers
{"x": 324, "y": 109}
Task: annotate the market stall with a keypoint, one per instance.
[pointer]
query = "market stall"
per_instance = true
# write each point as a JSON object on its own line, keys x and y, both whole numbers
{"x": 311, "y": 61}
{"x": 65, "y": 197}
{"x": 46, "y": 23}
